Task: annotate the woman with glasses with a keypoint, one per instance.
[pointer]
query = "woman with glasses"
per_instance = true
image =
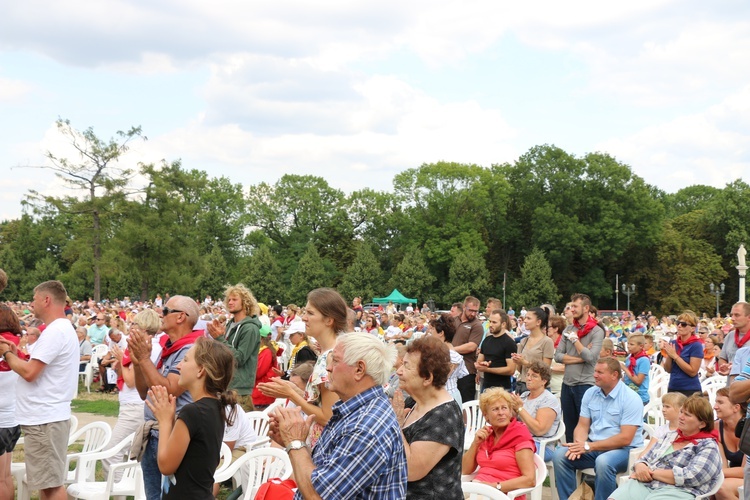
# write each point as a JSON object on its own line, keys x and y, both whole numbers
{"x": 683, "y": 357}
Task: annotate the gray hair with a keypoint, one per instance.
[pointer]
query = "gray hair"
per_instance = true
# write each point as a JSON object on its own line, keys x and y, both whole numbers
{"x": 188, "y": 305}
{"x": 378, "y": 357}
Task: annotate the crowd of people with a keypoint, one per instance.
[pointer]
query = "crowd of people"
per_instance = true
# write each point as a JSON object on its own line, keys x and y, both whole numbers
{"x": 370, "y": 403}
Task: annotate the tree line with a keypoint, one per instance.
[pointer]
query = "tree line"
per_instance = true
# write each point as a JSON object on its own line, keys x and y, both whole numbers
{"x": 544, "y": 226}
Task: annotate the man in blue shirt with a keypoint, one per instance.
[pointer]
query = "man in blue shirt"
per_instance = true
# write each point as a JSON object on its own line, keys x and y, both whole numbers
{"x": 609, "y": 426}
{"x": 360, "y": 454}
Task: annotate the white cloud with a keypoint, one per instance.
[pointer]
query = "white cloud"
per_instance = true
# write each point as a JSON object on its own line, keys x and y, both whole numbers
{"x": 701, "y": 148}
{"x": 13, "y": 90}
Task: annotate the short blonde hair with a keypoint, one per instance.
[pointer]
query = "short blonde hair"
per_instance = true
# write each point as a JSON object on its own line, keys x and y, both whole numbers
{"x": 638, "y": 339}
{"x": 675, "y": 399}
{"x": 148, "y": 321}
{"x": 492, "y": 396}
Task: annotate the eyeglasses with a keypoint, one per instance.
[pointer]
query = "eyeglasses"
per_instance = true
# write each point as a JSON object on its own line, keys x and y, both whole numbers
{"x": 683, "y": 324}
{"x": 167, "y": 310}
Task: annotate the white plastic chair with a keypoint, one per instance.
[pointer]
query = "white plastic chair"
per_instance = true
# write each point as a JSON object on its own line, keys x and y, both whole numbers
{"x": 480, "y": 491}
{"x": 711, "y": 385}
{"x": 258, "y": 467}
{"x": 260, "y": 422}
{"x": 560, "y": 434}
{"x": 95, "y": 437}
{"x": 716, "y": 486}
{"x": 658, "y": 382}
{"x": 95, "y": 490}
{"x": 270, "y": 408}
{"x": 653, "y": 415}
{"x": 18, "y": 471}
{"x": 541, "y": 474}
{"x": 474, "y": 421}
{"x": 225, "y": 459}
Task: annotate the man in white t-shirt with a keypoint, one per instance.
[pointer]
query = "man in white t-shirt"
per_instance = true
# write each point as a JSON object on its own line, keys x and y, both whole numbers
{"x": 45, "y": 388}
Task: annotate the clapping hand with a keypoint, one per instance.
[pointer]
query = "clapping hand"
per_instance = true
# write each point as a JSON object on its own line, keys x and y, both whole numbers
{"x": 216, "y": 328}
{"x": 162, "y": 404}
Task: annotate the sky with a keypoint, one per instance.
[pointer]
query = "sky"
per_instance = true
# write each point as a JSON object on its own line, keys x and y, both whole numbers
{"x": 357, "y": 91}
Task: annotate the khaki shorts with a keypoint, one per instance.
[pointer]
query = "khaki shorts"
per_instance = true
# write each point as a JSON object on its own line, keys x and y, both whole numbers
{"x": 246, "y": 402}
{"x": 46, "y": 447}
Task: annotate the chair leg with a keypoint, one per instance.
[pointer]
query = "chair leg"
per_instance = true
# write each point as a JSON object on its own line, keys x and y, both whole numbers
{"x": 552, "y": 484}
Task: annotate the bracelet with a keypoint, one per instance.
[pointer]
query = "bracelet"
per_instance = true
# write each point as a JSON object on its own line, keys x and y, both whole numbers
{"x": 5, "y": 354}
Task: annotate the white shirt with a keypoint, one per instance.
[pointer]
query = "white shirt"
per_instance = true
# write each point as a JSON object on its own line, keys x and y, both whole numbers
{"x": 47, "y": 399}
{"x": 241, "y": 431}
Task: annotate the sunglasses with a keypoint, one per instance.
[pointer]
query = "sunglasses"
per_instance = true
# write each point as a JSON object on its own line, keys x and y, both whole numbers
{"x": 167, "y": 311}
{"x": 683, "y": 324}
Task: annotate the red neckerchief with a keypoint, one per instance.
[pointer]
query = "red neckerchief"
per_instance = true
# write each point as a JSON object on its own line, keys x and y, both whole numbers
{"x": 125, "y": 362}
{"x": 634, "y": 360}
{"x": 695, "y": 437}
{"x": 11, "y": 337}
{"x": 557, "y": 341}
{"x": 680, "y": 344}
{"x": 514, "y": 434}
{"x": 740, "y": 342}
{"x": 586, "y": 329}
{"x": 168, "y": 349}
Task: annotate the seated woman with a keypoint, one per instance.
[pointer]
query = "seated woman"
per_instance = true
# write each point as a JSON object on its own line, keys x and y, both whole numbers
{"x": 433, "y": 429}
{"x": 504, "y": 450}
{"x": 685, "y": 464}
{"x": 538, "y": 408}
{"x": 733, "y": 459}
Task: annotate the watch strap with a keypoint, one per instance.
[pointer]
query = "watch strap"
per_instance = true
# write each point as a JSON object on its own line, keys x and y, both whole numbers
{"x": 295, "y": 445}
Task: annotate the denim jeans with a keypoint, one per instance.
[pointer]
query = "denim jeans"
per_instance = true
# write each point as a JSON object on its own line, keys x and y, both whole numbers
{"x": 570, "y": 402}
{"x": 150, "y": 468}
{"x": 606, "y": 464}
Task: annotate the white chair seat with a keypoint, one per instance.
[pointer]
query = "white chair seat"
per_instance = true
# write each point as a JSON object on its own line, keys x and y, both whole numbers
{"x": 480, "y": 491}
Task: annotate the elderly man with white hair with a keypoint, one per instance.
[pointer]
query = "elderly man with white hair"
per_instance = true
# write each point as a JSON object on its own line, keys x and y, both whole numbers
{"x": 361, "y": 452}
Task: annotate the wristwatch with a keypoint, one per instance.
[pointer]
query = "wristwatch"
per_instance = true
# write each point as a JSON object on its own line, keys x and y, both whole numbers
{"x": 499, "y": 487}
{"x": 586, "y": 446}
{"x": 295, "y": 445}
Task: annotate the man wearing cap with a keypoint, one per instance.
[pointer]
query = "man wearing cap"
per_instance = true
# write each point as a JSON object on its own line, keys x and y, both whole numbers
{"x": 242, "y": 335}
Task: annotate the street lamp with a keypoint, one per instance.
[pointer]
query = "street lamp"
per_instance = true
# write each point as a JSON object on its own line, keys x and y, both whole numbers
{"x": 718, "y": 291}
{"x": 628, "y": 290}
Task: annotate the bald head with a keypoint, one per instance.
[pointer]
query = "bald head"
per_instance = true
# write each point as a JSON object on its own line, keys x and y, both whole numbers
{"x": 188, "y": 305}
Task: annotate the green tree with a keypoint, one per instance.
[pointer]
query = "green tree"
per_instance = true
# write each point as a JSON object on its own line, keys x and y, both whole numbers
{"x": 363, "y": 276}
{"x": 97, "y": 175}
{"x": 588, "y": 215}
{"x": 46, "y": 269}
{"x": 447, "y": 209}
{"x": 310, "y": 274}
{"x": 535, "y": 285}
{"x": 685, "y": 265}
{"x": 468, "y": 276}
{"x": 412, "y": 277}
{"x": 261, "y": 273}
{"x": 13, "y": 267}
{"x": 215, "y": 276}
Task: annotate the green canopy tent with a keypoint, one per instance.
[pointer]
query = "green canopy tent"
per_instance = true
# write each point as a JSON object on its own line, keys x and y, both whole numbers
{"x": 394, "y": 297}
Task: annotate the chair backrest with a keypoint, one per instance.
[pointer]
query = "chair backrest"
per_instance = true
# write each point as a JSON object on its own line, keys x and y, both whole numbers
{"x": 541, "y": 471}
{"x": 480, "y": 491}
{"x": 226, "y": 459}
{"x": 717, "y": 485}
{"x": 262, "y": 465}
{"x": 711, "y": 385}
{"x": 652, "y": 413}
{"x": 73, "y": 424}
{"x": 95, "y": 437}
{"x": 270, "y": 408}
{"x": 474, "y": 421}
{"x": 98, "y": 351}
{"x": 260, "y": 422}
{"x": 557, "y": 437}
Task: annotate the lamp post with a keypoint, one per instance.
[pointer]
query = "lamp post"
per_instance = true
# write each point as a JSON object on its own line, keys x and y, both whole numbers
{"x": 742, "y": 269}
{"x": 628, "y": 290}
{"x": 617, "y": 292}
{"x": 718, "y": 291}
